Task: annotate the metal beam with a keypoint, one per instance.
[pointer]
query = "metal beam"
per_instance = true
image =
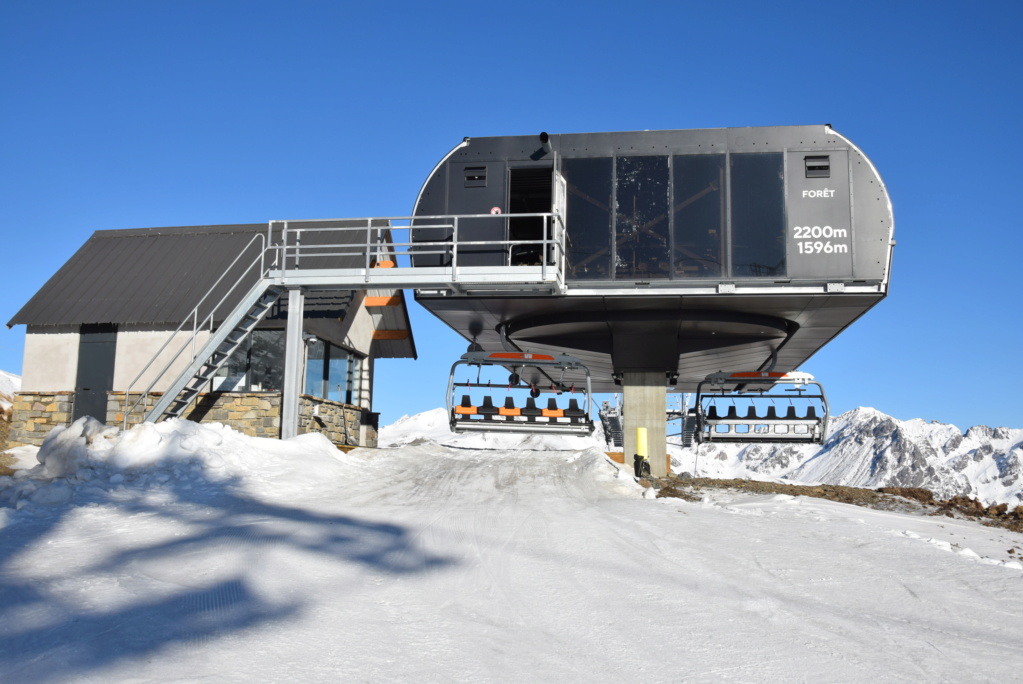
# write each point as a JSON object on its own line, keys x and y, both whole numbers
{"x": 294, "y": 358}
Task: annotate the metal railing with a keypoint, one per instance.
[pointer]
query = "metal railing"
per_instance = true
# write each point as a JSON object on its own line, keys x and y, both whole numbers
{"x": 198, "y": 322}
{"x": 391, "y": 239}
{"x": 361, "y": 246}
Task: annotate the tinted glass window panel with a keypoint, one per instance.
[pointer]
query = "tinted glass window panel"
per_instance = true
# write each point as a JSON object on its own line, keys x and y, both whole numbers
{"x": 257, "y": 366}
{"x": 354, "y": 396}
{"x": 266, "y": 361}
{"x": 316, "y": 353}
{"x": 588, "y": 217}
{"x": 233, "y": 375}
{"x": 337, "y": 374}
{"x": 758, "y": 215}
{"x": 641, "y": 218}
{"x": 698, "y": 208}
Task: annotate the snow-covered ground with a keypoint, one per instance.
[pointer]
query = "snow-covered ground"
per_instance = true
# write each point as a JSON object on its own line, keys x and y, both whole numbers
{"x": 864, "y": 448}
{"x": 186, "y": 553}
{"x": 9, "y": 384}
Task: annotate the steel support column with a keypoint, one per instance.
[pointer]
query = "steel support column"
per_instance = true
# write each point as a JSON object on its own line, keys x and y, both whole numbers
{"x": 294, "y": 359}
{"x": 644, "y": 396}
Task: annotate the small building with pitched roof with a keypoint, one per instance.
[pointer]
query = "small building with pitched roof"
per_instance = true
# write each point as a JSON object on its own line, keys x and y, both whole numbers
{"x": 104, "y": 326}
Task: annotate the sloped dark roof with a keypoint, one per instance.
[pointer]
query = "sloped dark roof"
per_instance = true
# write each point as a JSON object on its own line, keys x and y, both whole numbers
{"x": 154, "y": 275}
{"x": 158, "y": 275}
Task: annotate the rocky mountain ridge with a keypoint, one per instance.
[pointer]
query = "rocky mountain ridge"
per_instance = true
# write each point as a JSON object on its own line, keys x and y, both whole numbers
{"x": 867, "y": 448}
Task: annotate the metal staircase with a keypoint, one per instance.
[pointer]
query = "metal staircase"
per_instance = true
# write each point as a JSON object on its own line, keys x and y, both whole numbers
{"x": 611, "y": 420}
{"x": 217, "y": 350}
{"x": 327, "y": 256}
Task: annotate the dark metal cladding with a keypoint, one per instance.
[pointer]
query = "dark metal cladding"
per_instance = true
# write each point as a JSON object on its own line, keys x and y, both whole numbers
{"x": 688, "y": 251}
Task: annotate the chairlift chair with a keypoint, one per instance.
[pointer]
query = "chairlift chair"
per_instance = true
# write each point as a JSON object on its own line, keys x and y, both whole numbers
{"x": 518, "y": 409}
{"x": 803, "y": 418}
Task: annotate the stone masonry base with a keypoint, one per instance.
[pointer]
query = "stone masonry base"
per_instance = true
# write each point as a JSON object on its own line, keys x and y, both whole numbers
{"x": 257, "y": 414}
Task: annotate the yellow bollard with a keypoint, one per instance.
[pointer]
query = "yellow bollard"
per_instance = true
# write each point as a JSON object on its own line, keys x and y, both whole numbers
{"x": 641, "y": 463}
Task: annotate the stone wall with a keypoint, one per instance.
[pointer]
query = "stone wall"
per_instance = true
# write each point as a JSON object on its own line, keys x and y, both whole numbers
{"x": 257, "y": 414}
{"x": 5, "y": 428}
{"x": 339, "y": 422}
{"x": 34, "y": 414}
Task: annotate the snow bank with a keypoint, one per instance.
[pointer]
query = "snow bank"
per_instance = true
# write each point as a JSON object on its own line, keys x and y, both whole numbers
{"x": 432, "y": 427}
{"x": 88, "y": 460}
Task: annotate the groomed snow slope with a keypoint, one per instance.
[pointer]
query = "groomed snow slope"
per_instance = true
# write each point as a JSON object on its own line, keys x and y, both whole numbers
{"x": 191, "y": 553}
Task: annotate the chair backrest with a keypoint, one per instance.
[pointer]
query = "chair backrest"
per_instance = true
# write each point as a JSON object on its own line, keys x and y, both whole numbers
{"x": 509, "y": 403}
{"x": 573, "y": 404}
{"x": 530, "y": 403}
{"x": 712, "y": 412}
{"x": 733, "y": 412}
{"x": 552, "y": 404}
{"x": 465, "y": 401}
{"x": 772, "y": 413}
{"x": 811, "y": 412}
{"x": 791, "y": 413}
{"x": 488, "y": 402}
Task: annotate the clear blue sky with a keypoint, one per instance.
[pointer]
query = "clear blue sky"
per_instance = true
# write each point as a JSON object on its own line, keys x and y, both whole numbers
{"x": 127, "y": 114}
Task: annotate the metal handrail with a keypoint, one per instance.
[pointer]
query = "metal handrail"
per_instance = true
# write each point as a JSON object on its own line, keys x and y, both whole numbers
{"x": 377, "y": 245}
{"x": 379, "y": 240}
{"x": 193, "y": 317}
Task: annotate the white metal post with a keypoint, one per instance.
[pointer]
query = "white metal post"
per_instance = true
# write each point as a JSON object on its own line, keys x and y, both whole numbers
{"x": 294, "y": 356}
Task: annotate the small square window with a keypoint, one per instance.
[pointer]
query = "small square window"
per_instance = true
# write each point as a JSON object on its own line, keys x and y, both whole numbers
{"x": 818, "y": 166}
{"x": 475, "y": 176}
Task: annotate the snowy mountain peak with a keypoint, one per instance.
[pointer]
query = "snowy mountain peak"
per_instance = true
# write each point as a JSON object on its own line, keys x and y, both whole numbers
{"x": 868, "y": 448}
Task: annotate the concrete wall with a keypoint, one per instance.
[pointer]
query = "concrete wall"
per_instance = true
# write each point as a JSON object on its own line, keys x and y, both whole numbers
{"x": 360, "y": 332}
{"x": 136, "y": 346}
{"x": 51, "y": 359}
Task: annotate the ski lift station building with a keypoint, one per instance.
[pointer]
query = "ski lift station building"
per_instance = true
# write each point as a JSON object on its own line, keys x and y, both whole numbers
{"x": 684, "y": 252}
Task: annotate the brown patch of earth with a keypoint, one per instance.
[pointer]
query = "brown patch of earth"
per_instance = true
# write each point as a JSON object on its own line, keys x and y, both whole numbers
{"x": 908, "y": 499}
{"x": 6, "y": 461}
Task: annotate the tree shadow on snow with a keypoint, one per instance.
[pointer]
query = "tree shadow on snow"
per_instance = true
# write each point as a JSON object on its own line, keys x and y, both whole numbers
{"x": 54, "y": 626}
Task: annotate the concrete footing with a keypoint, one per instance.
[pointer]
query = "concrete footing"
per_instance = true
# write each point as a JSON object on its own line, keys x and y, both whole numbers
{"x": 644, "y": 395}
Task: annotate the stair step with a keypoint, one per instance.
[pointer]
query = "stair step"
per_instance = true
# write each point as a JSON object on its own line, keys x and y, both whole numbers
{"x": 228, "y": 342}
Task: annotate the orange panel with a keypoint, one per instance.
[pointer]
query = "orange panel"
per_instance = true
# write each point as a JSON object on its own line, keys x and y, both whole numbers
{"x": 383, "y": 301}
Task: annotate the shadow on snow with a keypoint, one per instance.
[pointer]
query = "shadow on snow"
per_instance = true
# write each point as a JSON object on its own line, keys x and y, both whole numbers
{"x": 49, "y": 630}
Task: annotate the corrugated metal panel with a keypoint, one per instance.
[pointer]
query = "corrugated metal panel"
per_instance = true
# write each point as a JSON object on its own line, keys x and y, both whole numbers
{"x": 153, "y": 275}
{"x": 138, "y": 276}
